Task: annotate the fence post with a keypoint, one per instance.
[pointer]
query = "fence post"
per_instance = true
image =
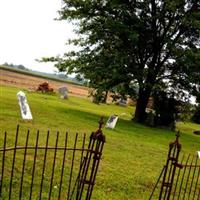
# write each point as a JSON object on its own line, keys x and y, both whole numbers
{"x": 170, "y": 168}
{"x": 3, "y": 163}
{"x": 95, "y": 148}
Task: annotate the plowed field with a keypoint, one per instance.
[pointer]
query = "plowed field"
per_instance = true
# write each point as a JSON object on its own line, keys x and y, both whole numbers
{"x": 31, "y": 82}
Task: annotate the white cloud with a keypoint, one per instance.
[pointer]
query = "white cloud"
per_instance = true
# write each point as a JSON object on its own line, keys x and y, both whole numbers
{"x": 29, "y": 32}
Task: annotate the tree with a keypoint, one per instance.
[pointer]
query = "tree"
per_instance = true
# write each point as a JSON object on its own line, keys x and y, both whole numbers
{"x": 145, "y": 42}
{"x": 196, "y": 116}
{"x": 166, "y": 109}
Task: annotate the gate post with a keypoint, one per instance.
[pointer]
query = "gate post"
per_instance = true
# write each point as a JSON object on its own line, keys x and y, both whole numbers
{"x": 91, "y": 163}
{"x": 170, "y": 168}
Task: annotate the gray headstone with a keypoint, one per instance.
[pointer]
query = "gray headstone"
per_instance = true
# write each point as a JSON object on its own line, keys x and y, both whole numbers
{"x": 111, "y": 123}
{"x": 122, "y": 102}
{"x": 24, "y": 107}
{"x": 64, "y": 92}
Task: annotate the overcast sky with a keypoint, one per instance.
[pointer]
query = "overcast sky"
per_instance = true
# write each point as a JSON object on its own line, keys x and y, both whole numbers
{"x": 28, "y": 31}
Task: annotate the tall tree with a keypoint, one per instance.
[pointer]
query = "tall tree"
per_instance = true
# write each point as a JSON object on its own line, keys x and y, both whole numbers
{"x": 145, "y": 42}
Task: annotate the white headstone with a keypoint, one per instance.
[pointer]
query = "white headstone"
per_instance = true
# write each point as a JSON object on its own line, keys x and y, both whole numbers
{"x": 198, "y": 153}
{"x": 111, "y": 123}
{"x": 24, "y": 107}
{"x": 64, "y": 92}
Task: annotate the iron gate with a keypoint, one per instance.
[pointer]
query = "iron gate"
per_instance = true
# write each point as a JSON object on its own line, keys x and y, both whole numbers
{"x": 50, "y": 171}
{"x": 180, "y": 177}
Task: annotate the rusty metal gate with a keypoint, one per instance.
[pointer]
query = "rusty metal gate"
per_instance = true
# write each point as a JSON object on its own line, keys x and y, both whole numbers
{"x": 48, "y": 170}
{"x": 180, "y": 177}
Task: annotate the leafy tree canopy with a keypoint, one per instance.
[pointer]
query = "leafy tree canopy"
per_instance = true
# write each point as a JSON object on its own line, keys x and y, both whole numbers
{"x": 151, "y": 44}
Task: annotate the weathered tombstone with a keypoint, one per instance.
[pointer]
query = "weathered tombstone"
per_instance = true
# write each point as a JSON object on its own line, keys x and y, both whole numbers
{"x": 122, "y": 102}
{"x": 64, "y": 92}
{"x": 111, "y": 123}
{"x": 24, "y": 107}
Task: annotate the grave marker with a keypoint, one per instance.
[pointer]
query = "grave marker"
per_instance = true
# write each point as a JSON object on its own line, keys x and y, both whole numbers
{"x": 111, "y": 123}
{"x": 24, "y": 107}
{"x": 64, "y": 92}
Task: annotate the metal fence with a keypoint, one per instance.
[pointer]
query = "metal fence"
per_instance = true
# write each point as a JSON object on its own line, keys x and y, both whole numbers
{"x": 44, "y": 171}
{"x": 180, "y": 177}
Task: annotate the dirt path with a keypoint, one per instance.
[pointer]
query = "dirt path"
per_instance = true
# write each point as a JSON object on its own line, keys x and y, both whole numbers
{"x": 31, "y": 82}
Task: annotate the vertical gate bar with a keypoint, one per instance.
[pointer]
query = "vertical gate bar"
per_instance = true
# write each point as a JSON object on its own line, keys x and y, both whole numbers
{"x": 157, "y": 183}
{"x": 175, "y": 164}
{"x": 198, "y": 195}
{"x": 79, "y": 172}
{"x": 81, "y": 166}
{"x": 34, "y": 162}
{"x": 100, "y": 140}
{"x": 93, "y": 168}
{"x": 63, "y": 165}
{"x": 196, "y": 184}
{"x": 179, "y": 171}
{"x": 86, "y": 165}
{"x": 72, "y": 166}
{"x": 78, "y": 196}
{"x": 165, "y": 173}
{"x": 171, "y": 164}
{"x": 97, "y": 165}
{"x": 3, "y": 162}
{"x": 13, "y": 162}
{"x": 82, "y": 151}
{"x": 53, "y": 167}
{"x": 188, "y": 178}
{"x": 186, "y": 185}
{"x": 195, "y": 167}
{"x": 180, "y": 187}
{"x": 167, "y": 190}
{"x": 44, "y": 165}
{"x": 23, "y": 166}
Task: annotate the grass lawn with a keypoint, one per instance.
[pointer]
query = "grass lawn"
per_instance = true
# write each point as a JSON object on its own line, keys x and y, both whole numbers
{"x": 133, "y": 155}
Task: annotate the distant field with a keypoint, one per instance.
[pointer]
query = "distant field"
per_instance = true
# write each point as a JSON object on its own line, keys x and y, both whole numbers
{"x": 31, "y": 82}
{"x": 39, "y": 74}
{"x": 133, "y": 156}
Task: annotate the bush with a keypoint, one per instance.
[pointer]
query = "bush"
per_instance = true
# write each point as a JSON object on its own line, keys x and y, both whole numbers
{"x": 98, "y": 96}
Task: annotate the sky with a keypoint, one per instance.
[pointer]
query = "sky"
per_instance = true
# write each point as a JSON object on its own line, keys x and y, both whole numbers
{"x": 29, "y": 31}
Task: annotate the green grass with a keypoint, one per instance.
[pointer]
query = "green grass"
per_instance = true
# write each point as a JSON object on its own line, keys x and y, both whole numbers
{"x": 133, "y": 155}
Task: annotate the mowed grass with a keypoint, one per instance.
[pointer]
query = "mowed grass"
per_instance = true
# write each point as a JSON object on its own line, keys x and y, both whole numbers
{"x": 133, "y": 156}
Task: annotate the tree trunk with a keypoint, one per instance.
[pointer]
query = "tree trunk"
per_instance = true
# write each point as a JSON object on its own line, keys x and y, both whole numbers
{"x": 105, "y": 97}
{"x": 142, "y": 101}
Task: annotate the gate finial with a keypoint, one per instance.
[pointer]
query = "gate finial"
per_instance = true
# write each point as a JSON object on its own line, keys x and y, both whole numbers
{"x": 99, "y": 134}
{"x": 178, "y": 136}
{"x": 101, "y": 123}
{"x": 176, "y": 143}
